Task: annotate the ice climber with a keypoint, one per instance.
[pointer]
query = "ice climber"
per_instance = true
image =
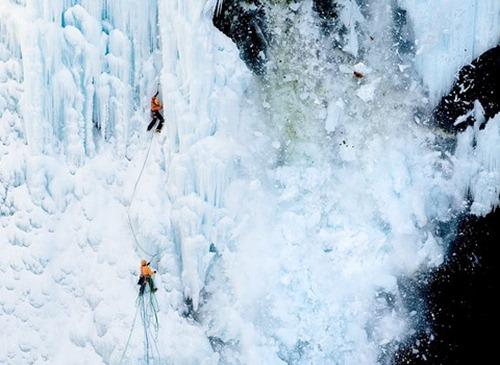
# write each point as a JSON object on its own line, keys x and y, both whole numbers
{"x": 155, "y": 113}
{"x": 146, "y": 277}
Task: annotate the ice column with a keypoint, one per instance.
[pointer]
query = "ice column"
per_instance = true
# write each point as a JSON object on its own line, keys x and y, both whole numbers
{"x": 203, "y": 81}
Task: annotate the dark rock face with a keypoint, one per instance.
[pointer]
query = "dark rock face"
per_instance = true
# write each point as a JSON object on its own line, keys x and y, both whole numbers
{"x": 326, "y": 9}
{"x": 244, "y": 21}
{"x": 458, "y": 296}
{"x": 478, "y": 81}
{"x": 461, "y": 309}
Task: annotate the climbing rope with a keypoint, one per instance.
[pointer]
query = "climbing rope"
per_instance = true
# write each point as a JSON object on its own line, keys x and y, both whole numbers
{"x": 130, "y": 332}
{"x": 133, "y": 197}
{"x": 148, "y": 313}
{"x": 146, "y": 332}
{"x": 140, "y": 299}
{"x": 151, "y": 314}
{"x": 156, "y": 324}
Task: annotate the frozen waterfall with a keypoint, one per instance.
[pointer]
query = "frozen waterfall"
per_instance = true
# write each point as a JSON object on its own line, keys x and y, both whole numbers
{"x": 284, "y": 208}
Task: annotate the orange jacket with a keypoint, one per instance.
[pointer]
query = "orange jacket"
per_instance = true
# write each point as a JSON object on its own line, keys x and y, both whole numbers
{"x": 146, "y": 270}
{"x": 156, "y": 104}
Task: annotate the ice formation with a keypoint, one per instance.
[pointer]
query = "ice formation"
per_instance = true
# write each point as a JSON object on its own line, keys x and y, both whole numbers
{"x": 287, "y": 207}
{"x": 449, "y": 36}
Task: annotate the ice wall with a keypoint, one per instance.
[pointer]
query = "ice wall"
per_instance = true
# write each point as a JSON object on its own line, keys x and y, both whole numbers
{"x": 203, "y": 83}
{"x": 450, "y": 34}
{"x": 85, "y": 64}
{"x": 75, "y": 82}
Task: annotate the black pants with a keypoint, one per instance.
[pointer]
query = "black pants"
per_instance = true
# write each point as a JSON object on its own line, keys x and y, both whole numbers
{"x": 143, "y": 281}
{"x": 156, "y": 117}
